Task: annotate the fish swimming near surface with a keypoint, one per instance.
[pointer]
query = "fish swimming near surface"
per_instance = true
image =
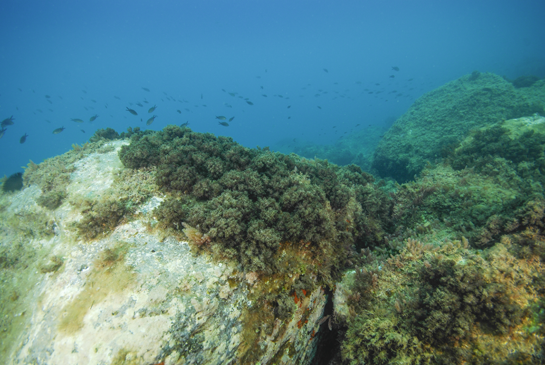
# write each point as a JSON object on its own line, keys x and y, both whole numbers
{"x": 231, "y": 119}
{"x": 179, "y": 111}
{"x": 77, "y": 120}
{"x": 184, "y": 124}
{"x": 150, "y": 120}
{"x": 133, "y": 112}
{"x": 58, "y": 130}
{"x": 325, "y": 69}
{"x": 395, "y": 68}
{"x": 145, "y": 89}
{"x": 82, "y": 130}
{"x": 140, "y": 104}
{"x": 150, "y": 110}
{"x": 23, "y": 139}
{"x": 7, "y": 121}
{"x": 225, "y": 124}
{"x": 392, "y": 76}
{"x": 93, "y": 118}
{"x": 220, "y": 117}
{"x": 2, "y": 131}
{"x": 249, "y": 102}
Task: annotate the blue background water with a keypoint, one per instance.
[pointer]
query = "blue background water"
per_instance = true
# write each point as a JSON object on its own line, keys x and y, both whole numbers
{"x": 84, "y": 53}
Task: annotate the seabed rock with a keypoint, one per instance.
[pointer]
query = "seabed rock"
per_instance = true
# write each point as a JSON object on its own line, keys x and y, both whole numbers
{"x": 129, "y": 296}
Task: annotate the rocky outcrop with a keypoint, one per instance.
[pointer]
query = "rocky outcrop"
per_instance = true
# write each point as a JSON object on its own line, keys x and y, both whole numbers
{"x": 130, "y": 295}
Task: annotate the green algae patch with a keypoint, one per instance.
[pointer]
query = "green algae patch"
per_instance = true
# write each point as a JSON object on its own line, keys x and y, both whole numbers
{"x": 240, "y": 203}
{"x": 117, "y": 204}
{"x": 444, "y": 116}
{"x": 110, "y": 275}
{"x": 445, "y": 303}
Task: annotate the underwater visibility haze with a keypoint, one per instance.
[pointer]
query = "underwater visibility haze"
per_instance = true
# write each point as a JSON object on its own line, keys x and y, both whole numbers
{"x": 314, "y": 71}
{"x": 272, "y": 182}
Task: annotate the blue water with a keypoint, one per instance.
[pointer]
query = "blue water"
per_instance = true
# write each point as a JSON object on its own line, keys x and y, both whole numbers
{"x": 85, "y": 53}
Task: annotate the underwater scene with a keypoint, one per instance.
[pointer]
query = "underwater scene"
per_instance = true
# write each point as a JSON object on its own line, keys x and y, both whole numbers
{"x": 272, "y": 182}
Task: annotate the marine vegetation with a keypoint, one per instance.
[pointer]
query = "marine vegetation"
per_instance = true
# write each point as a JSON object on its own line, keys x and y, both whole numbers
{"x": 442, "y": 304}
{"x": 525, "y": 81}
{"x": 444, "y": 116}
{"x": 290, "y": 222}
{"x": 13, "y": 183}
{"x": 460, "y": 279}
{"x": 248, "y": 201}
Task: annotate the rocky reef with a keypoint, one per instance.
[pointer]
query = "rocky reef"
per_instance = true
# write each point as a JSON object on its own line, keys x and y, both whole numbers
{"x": 440, "y": 119}
{"x": 177, "y": 247}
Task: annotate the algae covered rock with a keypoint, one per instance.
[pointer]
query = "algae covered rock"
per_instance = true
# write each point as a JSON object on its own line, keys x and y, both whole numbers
{"x": 443, "y": 117}
{"x": 131, "y": 294}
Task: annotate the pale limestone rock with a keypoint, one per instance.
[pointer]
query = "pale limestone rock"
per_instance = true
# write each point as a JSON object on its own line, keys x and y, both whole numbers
{"x": 154, "y": 302}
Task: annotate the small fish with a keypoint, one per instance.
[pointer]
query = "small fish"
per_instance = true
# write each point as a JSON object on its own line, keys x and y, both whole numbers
{"x": 93, "y": 118}
{"x": 133, "y": 112}
{"x": 150, "y": 110}
{"x": 8, "y": 121}
{"x": 23, "y": 139}
{"x": 117, "y": 97}
{"x": 392, "y": 76}
{"x": 58, "y": 130}
{"x": 77, "y": 120}
{"x": 220, "y": 117}
{"x": 139, "y": 104}
{"x": 82, "y": 130}
{"x": 289, "y": 106}
{"x": 150, "y": 120}
{"x": 145, "y": 89}
{"x": 264, "y": 95}
{"x": 319, "y": 107}
{"x": 201, "y": 96}
{"x": 231, "y": 119}
{"x": 225, "y": 124}
{"x": 47, "y": 96}
{"x": 179, "y": 111}
{"x": 146, "y": 102}
{"x": 2, "y": 131}
{"x": 184, "y": 124}
{"x": 395, "y": 68}
{"x": 249, "y": 102}
{"x": 325, "y": 69}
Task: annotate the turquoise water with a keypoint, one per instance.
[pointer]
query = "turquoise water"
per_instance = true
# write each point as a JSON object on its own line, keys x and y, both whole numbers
{"x": 315, "y": 71}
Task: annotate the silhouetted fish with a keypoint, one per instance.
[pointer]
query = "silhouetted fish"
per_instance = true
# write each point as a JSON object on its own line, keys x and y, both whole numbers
{"x": 325, "y": 69}
{"x": 225, "y": 124}
{"x": 132, "y": 111}
{"x": 150, "y": 110}
{"x": 220, "y": 117}
{"x": 145, "y": 89}
{"x": 92, "y": 119}
{"x": 77, "y": 120}
{"x": 7, "y": 121}
{"x": 231, "y": 119}
{"x": 23, "y": 139}
{"x": 249, "y": 103}
{"x": 58, "y": 130}
{"x": 395, "y": 68}
{"x": 150, "y": 120}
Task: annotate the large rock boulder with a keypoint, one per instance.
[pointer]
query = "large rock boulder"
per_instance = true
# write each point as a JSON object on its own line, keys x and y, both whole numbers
{"x": 441, "y": 118}
{"x": 84, "y": 284}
